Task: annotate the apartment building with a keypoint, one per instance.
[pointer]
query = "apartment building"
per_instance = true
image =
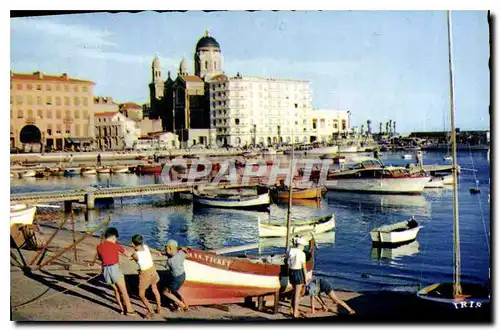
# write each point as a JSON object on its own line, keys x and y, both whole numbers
{"x": 49, "y": 110}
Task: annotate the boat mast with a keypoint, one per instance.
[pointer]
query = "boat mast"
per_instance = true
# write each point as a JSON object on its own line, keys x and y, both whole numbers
{"x": 457, "y": 288}
{"x": 288, "y": 223}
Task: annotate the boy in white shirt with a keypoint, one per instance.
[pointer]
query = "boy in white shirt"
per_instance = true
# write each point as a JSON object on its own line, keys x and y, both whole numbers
{"x": 297, "y": 272}
{"x": 148, "y": 276}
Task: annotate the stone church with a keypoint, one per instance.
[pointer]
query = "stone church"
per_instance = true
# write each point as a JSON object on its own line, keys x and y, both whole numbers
{"x": 183, "y": 104}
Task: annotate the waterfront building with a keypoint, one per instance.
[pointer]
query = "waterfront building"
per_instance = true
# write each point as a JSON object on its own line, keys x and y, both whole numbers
{"x": 132, "y": 111}
{"x": 157, "y": 141}
{"x": 49, "y": 111}
{"x": 114, "y": 131}
{"x": 211, "y": 108}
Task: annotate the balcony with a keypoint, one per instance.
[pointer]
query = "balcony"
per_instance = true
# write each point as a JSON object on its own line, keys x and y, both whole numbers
{"x": 67, "y": 120}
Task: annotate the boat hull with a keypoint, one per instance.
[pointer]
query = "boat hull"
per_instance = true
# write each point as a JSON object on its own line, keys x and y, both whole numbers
{"x": 266, "y": 230}
{"x": 27, "y": 173}
{"x": 22, "y": 214}
{"x": 216, "y": 279}
{"x": 442, "y": 295}
{"x": 383, "y": 236}
{"x": 143, "y": 170}
{"x": 261, "y": 201}
{"x": 412, "y": 185}
{"x": 311, "y": 193}
{"x": 119, "y": 170}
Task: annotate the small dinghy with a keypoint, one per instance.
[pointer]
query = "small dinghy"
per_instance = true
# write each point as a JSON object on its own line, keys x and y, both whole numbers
{"x": 260, "y": 200}
{"x": 72, "y": 171}
{"x": 447, "y": 158}
{"x": 119, "y": 169}
{"x": 88, "y": 171}
{"x": 315, "y": 226}
{"x": 395, "y": 234}
{"x": 103, "y": 170}
{"x": 21, "y": 213}
{"x": 27, "y": 173}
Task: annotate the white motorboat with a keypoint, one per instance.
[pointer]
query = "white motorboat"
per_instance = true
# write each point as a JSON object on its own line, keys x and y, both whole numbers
{"x": 407, "y": 156}
{"x": 316, "y": 226}
{"x": 27, "y": 173}
{"x": 369, "y": 175}
{"x": 447, "y": 158}
{"x": 260, "y": 200}
{"x": 395, "y": 234}
{"x": 21, "y": 213}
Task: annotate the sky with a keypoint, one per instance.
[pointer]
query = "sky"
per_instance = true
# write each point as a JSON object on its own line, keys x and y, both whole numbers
{"x": 380, "y": 65}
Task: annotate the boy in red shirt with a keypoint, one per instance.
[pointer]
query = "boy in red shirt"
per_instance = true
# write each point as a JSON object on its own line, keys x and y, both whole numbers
{"x": 108, "y": 252}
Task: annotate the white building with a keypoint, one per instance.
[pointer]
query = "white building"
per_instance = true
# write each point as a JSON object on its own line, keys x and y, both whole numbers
{"x": 157, "y": 141}
{"x": 252, "y": 110}
{"x": 114, "y": 131}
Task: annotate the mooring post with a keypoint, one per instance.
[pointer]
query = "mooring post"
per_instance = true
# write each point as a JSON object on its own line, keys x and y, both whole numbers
{"x": 68, "y": 206}
{"x": 90, "y": 200}
{"x": 74, "y": 234}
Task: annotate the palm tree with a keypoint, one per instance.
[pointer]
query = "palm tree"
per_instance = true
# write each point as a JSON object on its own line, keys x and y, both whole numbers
{"x": 390, "y": 127}
{"x": 368, "y": 128}
{"x": 394, "y": 126}
{"x": 386, "y": 127}
{"x": 380, "y": 127}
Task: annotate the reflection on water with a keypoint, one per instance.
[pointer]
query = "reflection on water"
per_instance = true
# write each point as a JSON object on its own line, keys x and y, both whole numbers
{"x": 392, "y": 255}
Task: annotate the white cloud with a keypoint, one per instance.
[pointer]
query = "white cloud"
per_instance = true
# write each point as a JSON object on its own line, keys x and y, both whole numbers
{"x": 77, "y": 35}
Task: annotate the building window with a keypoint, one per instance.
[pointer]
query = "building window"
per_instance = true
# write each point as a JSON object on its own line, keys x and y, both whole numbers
{"x": 84, "y": 101}
{"x": 49, "y": 129}
{"x": 206, "y": 64}
{"x": 296, "y": 105}
{"x": 58, "y": 128}
{"x": 68, "y": 129}
{"x": 77, "y": 114}
{"x": 39, "y": 87}
{"x": 76, "y": 101}
{"x": 58, "y": 100}
{"x": 48, "y": 87}
{"x": 48, "y": 100}
{"x": 215, "y": 65}
{"x": 19, "y": 87}
{"x": 77, "y": 130}
{"x": 67, "y": 114}
{"x": 85, "y": 89}
{"x": 343, "y": 125}
{"x": 19, "y": 99}
{"x": 29, "y": 87}
{"x": 237, "y": 121}
{"x": 66, "y": 88}
{"x": 39, "y": 101}
{"x": 75, "y": 88}
{"x": 215, "y": 122}
{"x": 58, "y": 115}
{"x": 20, "y": 113}
{"x": 66, "y": 101}
{"x": 30, "y": 113}
{"x": 29, "y": 99}
{"x": 39, "y": 113}
{"x": 58, "y": 87}
{"x": 85, "y": 114}
{"x": 49, "y": 114}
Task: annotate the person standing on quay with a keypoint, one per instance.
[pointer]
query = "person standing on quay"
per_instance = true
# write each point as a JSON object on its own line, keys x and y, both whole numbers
{"x": 108, "y": 252}
{"x": 297, "y": 272}
{"x": 176, "y": 274}
{"x": 148, "y": 276}
{"x": 98, "y": 159}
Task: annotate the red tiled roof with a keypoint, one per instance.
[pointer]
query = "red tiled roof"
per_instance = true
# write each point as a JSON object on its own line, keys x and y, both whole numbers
{"x": 192, "y": 79}
{"x": 106, "y": 114}
{"x": 44, "y": 77}
{"x": 131, "y": 105}
{"x": 219, "y": 78}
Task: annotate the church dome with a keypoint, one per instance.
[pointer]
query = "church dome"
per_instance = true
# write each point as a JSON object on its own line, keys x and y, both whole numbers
{"x": 207, "y": 42}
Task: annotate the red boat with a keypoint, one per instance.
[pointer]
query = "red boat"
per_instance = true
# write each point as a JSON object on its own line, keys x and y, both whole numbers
{"x": 216, "y": 279}
{"x": 143, "y": 169}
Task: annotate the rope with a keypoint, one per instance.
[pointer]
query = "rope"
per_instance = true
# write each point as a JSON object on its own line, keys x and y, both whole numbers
{"x": 56, "y": 294}
{"x": 480, "y": 203}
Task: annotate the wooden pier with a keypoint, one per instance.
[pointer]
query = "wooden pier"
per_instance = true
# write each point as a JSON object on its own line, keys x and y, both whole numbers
{"x": 90, "y": 194}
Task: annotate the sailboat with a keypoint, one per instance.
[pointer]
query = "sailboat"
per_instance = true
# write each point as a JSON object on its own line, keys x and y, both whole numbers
{"x": 457, "y": 295}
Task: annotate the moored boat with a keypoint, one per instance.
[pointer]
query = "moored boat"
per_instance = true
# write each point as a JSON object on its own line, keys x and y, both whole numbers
{"x": 395, "y": 234}
{"x": 21, "y": 213}
{"x": 315, "y": 226}
{"x": 300, "y": 193}
{"x": 259, "y": 200}
{"x": 119, "y": 169}
{"x": 72, "y": 171}
{"x": 369, "y": 175}
{"x": 103, "y": 170}
{"x": 27, "y": 173}
{"x": 89, "y": 171}
{"x": 435, "y": 182}
{"x": 216, "y": 279}
{"x": 407, "y": 156}
{"x": 42, "y": 173}
{"x": 149, "y": 169}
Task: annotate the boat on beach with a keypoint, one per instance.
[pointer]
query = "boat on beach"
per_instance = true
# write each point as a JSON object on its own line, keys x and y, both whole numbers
{"x": 395, "y": 234}
{"x": 216, "y": 279}
{"x": 21, "y": 213}
{"x": 27, "y": 173}
{"x": 119, "y": 169}
{"x": 259, "y": 200}
{"x": 315, "y": 226}
{"x": 72, "y": 171}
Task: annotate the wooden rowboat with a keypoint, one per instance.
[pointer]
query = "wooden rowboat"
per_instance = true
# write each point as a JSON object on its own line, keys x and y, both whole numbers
{"x": 301, "y": 193}
{"x": 119, "y": 169}
{"x": 103, "y": 170}
{"x": 214, "y": 279}
{"x": 316, "y": 226}
{"x": 21, "y": 213}
{"x": 395, "y": 234}
{"x": 260, "y": 200}
{"x": 27, "y": 173}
